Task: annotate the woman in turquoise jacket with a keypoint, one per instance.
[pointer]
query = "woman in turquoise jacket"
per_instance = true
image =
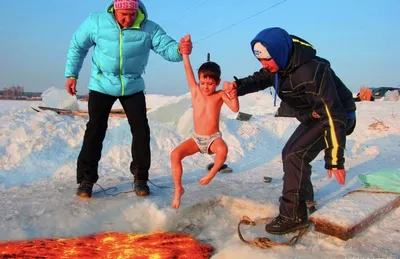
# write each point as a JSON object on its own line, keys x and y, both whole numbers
{"x": 122, "y": 38}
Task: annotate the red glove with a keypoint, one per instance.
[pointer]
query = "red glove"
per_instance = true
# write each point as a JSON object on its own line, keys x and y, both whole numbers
{"x": 70, "y": 86}
{"x": 340, "y": 175}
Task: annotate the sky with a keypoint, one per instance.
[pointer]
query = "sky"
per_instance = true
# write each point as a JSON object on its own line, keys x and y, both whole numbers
{"x": 360, "y": 38}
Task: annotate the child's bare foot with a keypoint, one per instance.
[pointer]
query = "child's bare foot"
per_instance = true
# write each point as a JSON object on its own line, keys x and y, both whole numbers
{"x": 207, "y": 178}
{"x": 177, "y": 197}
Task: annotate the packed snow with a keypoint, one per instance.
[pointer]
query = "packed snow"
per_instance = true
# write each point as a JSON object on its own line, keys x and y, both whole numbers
{"x": 38, "y": 153}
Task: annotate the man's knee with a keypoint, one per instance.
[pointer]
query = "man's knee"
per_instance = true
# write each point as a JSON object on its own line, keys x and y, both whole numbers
{"x": 285, "y": 152}
{"x": 98, "y": 125}
{"x": 140, "y": 129}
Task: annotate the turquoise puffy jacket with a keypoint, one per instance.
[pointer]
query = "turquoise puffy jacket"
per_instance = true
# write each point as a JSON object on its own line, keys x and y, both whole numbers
{"x": 119, "y": 55}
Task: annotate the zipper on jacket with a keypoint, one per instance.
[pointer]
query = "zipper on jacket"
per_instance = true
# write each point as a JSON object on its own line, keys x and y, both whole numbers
{"x": 120, "y": 62}
{"x": 98, "y": 73}
{"x": 120, "y": 56}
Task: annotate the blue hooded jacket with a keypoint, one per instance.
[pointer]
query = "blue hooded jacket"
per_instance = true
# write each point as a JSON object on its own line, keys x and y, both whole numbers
{"x": 279, "y": 45}
{"x": 308, "y": 84}
{"x": 119, "y": 55}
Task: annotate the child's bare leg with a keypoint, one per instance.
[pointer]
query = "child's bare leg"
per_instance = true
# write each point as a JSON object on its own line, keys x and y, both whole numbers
{"x": 187, "y": 148}
{"x": 219, "y": 148}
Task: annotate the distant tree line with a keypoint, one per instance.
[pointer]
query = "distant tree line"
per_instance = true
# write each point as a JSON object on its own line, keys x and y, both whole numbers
{"x": 17, "y": 92}
{"x": 13, "y": 92}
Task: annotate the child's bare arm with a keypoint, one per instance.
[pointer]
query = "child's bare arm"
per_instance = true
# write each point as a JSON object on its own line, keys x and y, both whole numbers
{"x": 189, "y": 72}
{"x": 232, "y": 103}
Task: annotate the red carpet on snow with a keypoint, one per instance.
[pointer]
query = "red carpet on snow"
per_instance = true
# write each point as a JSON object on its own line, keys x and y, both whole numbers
{"x": 109, "y": 245}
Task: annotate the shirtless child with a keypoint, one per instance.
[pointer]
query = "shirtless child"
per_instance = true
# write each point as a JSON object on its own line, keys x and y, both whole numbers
{"x": 206, "y": 137}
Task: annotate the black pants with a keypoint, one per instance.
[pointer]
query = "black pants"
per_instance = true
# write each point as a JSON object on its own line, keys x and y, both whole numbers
{"x": 99, "y": 109}
{"x": 302, "y": 148}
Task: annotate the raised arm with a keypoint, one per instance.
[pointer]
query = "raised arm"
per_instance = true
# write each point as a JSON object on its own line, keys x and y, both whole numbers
{"x": 193, "y": 86}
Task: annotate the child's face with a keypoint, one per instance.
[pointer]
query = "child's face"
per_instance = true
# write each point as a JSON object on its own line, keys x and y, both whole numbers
{"x": 207, "y": 84}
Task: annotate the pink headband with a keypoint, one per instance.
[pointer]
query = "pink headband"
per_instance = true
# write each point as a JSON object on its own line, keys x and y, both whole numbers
{"x": 126, "y": 4}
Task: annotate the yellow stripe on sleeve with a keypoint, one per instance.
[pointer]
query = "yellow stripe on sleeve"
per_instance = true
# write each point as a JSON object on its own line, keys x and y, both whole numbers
{"x": 335, "y": 144}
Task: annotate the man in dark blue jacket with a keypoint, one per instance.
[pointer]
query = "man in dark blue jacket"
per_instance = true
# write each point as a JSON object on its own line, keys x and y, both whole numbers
{"x": 321, "y": 102}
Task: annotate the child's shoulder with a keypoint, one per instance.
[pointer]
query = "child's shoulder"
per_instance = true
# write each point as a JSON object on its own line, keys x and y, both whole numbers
{"x": 219, "y": 92}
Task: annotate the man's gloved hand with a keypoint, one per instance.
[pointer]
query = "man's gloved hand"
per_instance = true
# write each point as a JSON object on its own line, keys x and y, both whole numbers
{"x": 340, "y": 175}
